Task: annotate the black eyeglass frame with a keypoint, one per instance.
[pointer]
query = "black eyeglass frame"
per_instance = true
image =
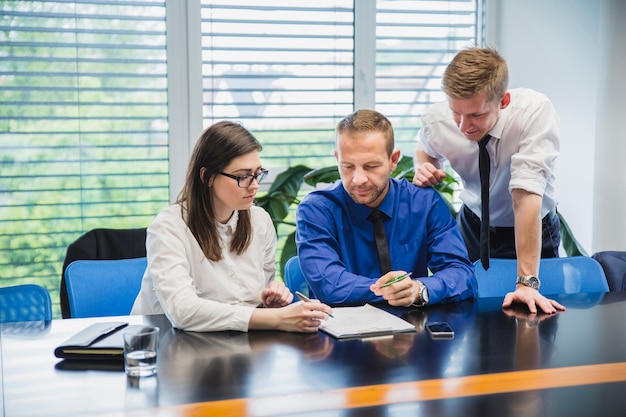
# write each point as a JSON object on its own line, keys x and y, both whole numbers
{"x": 259, "y": 176}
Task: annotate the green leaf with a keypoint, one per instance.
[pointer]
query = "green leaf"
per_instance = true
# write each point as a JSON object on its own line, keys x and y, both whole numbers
{"x": 289, "y": 250}
{"x": 571, "y": 246}
{"x": 289, "y": 181}
{"x": 326, "y": 175}
{"x": 283, "y": 193}
{"x": 404, "y": 169}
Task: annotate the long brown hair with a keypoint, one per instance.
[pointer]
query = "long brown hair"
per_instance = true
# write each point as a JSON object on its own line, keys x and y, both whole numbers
{"x": 219, "y": 144}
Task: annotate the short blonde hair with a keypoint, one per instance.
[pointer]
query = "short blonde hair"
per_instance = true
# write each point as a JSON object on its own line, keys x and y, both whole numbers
{"x": 475, "y": 70}
{"x": 363, "y": 121}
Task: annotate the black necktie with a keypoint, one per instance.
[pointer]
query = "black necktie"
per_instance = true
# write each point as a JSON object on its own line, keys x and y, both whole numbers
{"x": 484, "y": 168}
{"x": 381, "y": 241}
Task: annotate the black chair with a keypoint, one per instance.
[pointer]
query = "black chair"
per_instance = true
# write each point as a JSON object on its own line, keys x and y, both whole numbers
{"x": 102, "y": 244}
{"x": 614, "y": 265}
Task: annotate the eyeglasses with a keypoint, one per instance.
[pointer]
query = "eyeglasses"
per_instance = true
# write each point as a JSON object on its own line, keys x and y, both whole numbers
{"x": 245, "y": 181}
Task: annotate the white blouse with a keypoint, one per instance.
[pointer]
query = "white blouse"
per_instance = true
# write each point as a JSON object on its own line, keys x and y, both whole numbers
{"x": 195, "y": 293}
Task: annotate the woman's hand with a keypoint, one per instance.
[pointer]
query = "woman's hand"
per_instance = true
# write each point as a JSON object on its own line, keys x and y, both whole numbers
{"x": 305, "y": 317}
{"x": 276, "y": 295}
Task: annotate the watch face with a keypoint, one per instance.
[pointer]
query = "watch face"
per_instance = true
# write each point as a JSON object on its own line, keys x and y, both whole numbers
{"x": 530, "y": 281}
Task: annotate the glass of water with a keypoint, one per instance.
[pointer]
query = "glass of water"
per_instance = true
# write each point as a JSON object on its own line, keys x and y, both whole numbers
{"x": 140, "y": 350}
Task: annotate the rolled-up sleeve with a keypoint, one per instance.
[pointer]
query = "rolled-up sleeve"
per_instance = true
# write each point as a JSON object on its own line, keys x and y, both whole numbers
{"x": 533, "y": 165}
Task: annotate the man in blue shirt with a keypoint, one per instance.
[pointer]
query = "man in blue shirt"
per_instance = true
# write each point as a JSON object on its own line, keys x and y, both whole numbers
{"x": 335, "y": 238}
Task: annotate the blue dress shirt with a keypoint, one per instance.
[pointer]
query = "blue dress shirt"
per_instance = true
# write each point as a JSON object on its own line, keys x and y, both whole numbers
{"x": 337, "y": 250}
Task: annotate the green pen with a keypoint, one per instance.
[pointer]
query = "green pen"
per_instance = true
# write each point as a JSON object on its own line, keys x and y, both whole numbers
{"x": 396, "y": 279}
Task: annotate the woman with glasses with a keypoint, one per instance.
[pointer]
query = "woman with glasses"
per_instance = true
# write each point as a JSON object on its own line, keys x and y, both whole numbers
{"x": 211, "y": 255}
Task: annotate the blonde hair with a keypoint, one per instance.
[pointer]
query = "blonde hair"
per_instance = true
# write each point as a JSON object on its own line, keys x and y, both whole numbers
{"x": 475, "y": 70}
{"x": 363, "y": 121}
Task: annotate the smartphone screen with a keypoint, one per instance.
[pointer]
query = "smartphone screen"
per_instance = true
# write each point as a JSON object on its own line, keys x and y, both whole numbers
{"x": 440, "y": 330}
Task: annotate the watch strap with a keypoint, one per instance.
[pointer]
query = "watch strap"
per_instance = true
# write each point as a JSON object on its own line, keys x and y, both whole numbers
{"x": 529, "y": 281}
{"x": 422, "y": 295}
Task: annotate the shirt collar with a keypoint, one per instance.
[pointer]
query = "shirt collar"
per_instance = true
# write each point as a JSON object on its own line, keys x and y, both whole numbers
{"x": 498, "y": 128}
{"x": 361, "y": 212}
{"x": 230, "y": 226}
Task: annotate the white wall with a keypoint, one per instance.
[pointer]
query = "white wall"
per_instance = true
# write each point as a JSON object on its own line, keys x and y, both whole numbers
{"x": 556, "y": 47}
{"x": 609, "y": 231}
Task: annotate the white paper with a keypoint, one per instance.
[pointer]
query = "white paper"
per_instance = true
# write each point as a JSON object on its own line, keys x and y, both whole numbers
{"x": 364, "y": 321}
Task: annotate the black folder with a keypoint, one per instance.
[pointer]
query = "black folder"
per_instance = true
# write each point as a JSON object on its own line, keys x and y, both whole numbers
{"x": 99, "y": 341}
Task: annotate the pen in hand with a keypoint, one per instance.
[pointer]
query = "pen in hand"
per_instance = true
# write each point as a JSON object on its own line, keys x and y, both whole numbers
{"x": 306, "y": 299}
{"x": 396, "y": 279}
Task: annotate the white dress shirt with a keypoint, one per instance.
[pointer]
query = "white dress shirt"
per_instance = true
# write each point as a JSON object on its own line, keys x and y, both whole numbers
{"x": 195, "y": 293}
{"x": 523, "y": 151}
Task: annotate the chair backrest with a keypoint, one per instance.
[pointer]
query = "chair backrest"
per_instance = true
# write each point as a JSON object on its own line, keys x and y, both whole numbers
{"x": 98, "y": 288}
{"x": 568, "y": 275}
{"x": 614, "y": 266}
{"x": 102, "y": 244}
{"x": 294, "y": 279}
{"x": 25, "y": 302}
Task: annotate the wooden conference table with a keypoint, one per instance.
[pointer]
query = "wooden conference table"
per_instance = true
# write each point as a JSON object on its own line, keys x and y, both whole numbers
{"x": 498, "y": 364}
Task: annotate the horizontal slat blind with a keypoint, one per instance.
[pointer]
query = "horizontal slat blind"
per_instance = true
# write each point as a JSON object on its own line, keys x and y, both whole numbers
{"x": 83, "y": 109}
{"x": 83, "y": 127}
{"x": 415, "y": 40}
{"x": 282, "y": 68}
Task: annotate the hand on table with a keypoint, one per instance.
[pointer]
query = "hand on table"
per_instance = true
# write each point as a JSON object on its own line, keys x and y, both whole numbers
{"x": 533, "y": 299}
{"x": 305, "y": 317}
{"x": 402, "y": 293}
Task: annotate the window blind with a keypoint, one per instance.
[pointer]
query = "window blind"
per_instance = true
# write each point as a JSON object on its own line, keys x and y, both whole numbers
{"x": 284, "y": 69}
{"x": 415, "y": 41}
{"x": 84, "y": 111}
{"x": 83, "y": 127}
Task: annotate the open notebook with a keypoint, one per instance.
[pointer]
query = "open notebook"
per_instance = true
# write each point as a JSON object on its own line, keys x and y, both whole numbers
{"x": 364, "y": 321}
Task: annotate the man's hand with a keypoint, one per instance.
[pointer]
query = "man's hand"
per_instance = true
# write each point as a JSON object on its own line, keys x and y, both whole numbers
{"x": 533, "y": 299}
{"x": 402, "y": 293}
{"x": 427, "y": 175}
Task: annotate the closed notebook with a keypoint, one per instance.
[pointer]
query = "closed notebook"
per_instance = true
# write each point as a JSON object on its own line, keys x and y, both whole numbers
{"x": 364, "y": 321}
{"x": 98, "y": 341}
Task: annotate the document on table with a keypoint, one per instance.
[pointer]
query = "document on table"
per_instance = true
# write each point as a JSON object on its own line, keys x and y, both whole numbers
{"x": 364, "y": 321}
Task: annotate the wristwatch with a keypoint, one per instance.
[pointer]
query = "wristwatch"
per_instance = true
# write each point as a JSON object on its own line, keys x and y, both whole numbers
{"x": 529, "y": 281}
{"x": 422, "y": 295}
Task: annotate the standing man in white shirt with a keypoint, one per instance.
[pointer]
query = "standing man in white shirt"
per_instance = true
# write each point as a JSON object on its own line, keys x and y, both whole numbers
{"x": 520, "y": 130}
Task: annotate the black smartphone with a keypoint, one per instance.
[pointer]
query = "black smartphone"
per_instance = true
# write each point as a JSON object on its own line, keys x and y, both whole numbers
{"x": 440, "y": 330}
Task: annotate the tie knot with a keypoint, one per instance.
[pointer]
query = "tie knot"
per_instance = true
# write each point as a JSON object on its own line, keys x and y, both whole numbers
{"x": 483, "y": 142}
{"x": 376, "y": 216}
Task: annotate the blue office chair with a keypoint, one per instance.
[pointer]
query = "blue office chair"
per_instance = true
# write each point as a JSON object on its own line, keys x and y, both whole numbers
{"x": 569, "y": 275}
{"x": 25, "y": 302}
{"x": 103, "y": 287}
{"x": 294, "y": 279}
